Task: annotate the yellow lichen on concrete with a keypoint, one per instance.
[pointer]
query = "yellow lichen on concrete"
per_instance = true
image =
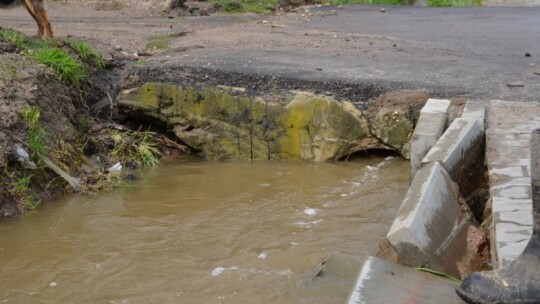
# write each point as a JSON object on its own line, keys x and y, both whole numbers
{"x": 394, "y": 128}
{"x": 227, "y": 124}
{"x": 319, "y": 128}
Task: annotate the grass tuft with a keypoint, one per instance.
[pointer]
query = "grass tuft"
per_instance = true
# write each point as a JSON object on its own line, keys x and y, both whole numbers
{"x": 65, "y": 66}
{"x": 49, "y": 53}
{"x": 138, "y": 147}
{"x": 18, "y": 39}
{"x": 454, "y": 3}
{"x": 147, "y": 152}
{"x": 85, "y": 52}
{"x": 19, "y": 187}
{"x": 370, "y": 2}
{"x": 36, "y": 134}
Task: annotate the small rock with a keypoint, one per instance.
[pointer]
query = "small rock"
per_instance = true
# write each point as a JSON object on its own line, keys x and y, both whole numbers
{"x": 382, "y": 10}
{"x": 527, "y": 54}
{"x": 340, "y": 6}
{"x": 516, "y": 84}
{"x": 537, "y": 73}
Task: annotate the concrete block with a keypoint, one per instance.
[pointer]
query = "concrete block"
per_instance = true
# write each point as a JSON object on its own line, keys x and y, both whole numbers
{"x": 508, "y": 160}
{"x": 517, "y": 217}
{"x": 497, "y": 174}
{"x": 475, "y": 110}
{"x": 429, "y": 222}
{"x": 502, "y": 204}
{"x": 515, "y": 189}
{"x": 510, "y": 241}
{"x": 431, "y": 124}
{"x": 458, "y": 148}
{"x": 383, "y": 282}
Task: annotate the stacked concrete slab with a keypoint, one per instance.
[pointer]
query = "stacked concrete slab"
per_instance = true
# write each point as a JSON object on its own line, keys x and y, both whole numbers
{"x": 508, "y": 159}
{"x": 431, "y": 125}
{"x": 430, "y": 228}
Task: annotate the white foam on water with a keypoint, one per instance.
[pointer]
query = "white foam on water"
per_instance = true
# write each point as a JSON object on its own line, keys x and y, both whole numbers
{"x": 262, "y": 256}
{"x": 328, "y": 204}
{"x": 219, "y": 270}
{"x": 311, "y": 211}
{"x": 53, "y": 284}
{"x": 370, "y": 168}
{"x": 307, "y": 224}
{"x": 285, "y": 272}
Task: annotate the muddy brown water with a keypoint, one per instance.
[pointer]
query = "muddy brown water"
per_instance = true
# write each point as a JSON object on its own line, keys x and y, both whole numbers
{"x": 198, "y": 232}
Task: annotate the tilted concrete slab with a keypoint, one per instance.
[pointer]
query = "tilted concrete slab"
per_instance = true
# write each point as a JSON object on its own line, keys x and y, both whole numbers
{"x": 458, "y": 147}
{"x": 383, "y": 282}
{"x": 509, "y": 127}
{"x": 431, "y": 125}
{"x": 475, "y": 109}
{"x": 429, "y": 229}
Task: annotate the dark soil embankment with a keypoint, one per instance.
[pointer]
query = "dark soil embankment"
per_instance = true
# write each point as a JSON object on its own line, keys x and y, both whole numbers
{"x": 69, "y": 122}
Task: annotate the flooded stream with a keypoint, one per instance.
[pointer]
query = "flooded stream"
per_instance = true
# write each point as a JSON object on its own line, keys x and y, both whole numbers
{"x": 199, "y": 232}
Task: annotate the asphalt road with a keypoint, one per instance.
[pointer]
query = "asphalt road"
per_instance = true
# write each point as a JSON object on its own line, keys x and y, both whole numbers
{"x": 474, "y": 52}
{"x": 470, "y": 52}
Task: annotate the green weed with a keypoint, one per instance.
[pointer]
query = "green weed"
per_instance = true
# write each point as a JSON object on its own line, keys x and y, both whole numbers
{"x": 20, "y": 188}
{"x": 439, "y": 3}
{"x": 36, "y": 134}
{"x": 65, "y": 66}
{"x": 147, "y": 152}
{"x": 136, "y": 146}
{"x": 83, "y": 123}
{"x": 160, "y": 42}
{"x": 438, "y": 273}
{"x": 139, "y": 62}
{"x": 254, "y": 6}
{"x": 22, "y": 185}
{"x": 22, "y": 41}
{"x": 370, "y": 2}
{"x": 18, "y": 39}
{"x": 85, "y": 52}
{"x": 116, "y": 5}
{"x": 47, "y": 52}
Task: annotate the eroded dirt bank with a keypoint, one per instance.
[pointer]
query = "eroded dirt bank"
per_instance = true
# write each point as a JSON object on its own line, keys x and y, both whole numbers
{"x": 59, "y": 135}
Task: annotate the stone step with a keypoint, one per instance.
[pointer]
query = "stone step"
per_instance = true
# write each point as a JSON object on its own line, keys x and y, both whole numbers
{"x": 383, "y": 282}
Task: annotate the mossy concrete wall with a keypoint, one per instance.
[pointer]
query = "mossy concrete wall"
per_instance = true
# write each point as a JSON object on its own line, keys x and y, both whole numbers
{"x": 225, "y": 123}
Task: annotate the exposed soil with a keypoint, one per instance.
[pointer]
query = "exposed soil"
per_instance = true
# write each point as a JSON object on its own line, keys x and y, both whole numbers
{"x": 80, "y": 135}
